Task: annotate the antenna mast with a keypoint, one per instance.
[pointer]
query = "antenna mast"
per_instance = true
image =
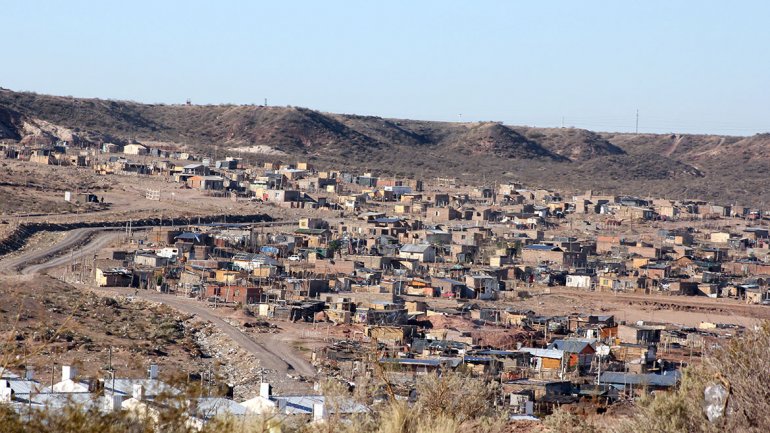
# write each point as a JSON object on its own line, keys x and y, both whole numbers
{"x": 637, "y": 120}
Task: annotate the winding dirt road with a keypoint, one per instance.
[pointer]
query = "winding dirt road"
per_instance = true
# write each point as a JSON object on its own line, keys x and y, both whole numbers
{"x": 75, "y": 244}
{"x": 272, "y": 353}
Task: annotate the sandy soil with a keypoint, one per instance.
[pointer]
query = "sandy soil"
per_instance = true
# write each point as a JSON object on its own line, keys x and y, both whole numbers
{"x": 46, "y": 323}
{"x": 682, "y": 310}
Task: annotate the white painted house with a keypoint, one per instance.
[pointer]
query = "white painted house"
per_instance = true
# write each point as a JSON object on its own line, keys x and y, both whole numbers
{"x": 135, "y": 149}
{"x": 419, "y": 252}
{"x": 579, "y": 281}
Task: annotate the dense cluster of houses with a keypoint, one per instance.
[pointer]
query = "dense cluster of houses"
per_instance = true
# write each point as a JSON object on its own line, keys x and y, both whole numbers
{"x": 464, "y": 243}
{"x": 402, "y": 258}
{"x": 389, "y": 266}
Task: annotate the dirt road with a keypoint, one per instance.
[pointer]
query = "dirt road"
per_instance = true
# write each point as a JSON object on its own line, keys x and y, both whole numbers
{"x": 688, "y": 311}
{"x": 70, "y": 247}
{"x": 682, "y": 303}
{"x": 273, "y": 353}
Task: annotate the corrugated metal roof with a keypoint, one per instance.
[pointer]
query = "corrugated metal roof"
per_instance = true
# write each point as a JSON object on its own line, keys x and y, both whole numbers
{"x": 59, "y": 400}
{"x": 570, "y": 346}
{"x": 471, "y": 358}
{"x": 433, "y": 362}
{"x": 214, "y": 406}
{"x": 23, "y": 386}
{"x": 189, "y": 236}
{"x": 543, "y": 353}
{"x": 449, "y": 280}
{"x": 415, "y": 248}
{"x": 387, "y": 220}
{"x": 497, "y": 352}
{"x": 152, "y": 387}
{"x": 617, "y": 377}
{"x": 303, "y": 404}
{"x": 541, "y": 247}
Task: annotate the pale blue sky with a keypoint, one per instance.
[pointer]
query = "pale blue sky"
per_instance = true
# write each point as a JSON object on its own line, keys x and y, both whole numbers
{"x": 688, "y": 66}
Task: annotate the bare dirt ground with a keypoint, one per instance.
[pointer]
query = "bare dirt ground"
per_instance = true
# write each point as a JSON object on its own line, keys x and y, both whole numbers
{"x": 277, "y": 358}
{"x": 17, "y": 200}
{"x": 683, "y": 310}
{"x": 47, "y": 250}
{"x": 46, "y": 323}
{"x": 35, "y": 193}
{"x": 687, "y": 311}
{"x": 34, "y": 243}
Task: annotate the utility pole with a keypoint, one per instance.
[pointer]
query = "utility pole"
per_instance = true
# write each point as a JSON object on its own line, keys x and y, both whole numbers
{"x": 637, "y": 120}
{"x": 599, "y": 370}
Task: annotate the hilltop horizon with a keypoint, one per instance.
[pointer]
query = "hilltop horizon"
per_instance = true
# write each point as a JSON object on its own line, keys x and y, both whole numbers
{"x": 373, "y": 113}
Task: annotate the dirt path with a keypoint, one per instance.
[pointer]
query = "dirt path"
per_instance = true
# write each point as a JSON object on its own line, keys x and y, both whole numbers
{"x": 273, "y": 353}
{"x": 100, "y": 240}
{"x": 26, "y": 262}
{"x": 671, "y": 149}
{"x": 688, "y": 310}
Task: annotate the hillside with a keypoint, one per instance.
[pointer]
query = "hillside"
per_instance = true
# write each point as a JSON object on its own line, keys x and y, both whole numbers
{"x": 671, "y": 165}
{"x": 572, "y": 143}
{"x": 45, "y": 320}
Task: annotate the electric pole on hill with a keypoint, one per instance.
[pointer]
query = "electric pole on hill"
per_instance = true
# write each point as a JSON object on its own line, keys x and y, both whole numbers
{"x": 637, "y": 120}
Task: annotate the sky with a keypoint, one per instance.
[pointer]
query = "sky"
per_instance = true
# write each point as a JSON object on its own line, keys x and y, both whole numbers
{"x": 685, "y": 66}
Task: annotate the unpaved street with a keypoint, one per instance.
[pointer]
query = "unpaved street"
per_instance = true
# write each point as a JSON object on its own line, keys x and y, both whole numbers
{"x": 273, "y": 353}
{"x": 59, "y": 253}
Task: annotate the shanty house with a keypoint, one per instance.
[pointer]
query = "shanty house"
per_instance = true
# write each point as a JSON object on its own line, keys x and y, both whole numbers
{"x": 580, "y": 352}
{"x": 419, "y": 252}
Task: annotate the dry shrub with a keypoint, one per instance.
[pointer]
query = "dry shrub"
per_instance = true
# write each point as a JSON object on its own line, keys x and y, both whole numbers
{"x": 72, "y": 419}
{"x": 399, "y": 417}
{"x": 448, "y": 403}
{"x": 564, "y": 421}
{"x": 454, "y": 396}
{"x": 742, "y": 366}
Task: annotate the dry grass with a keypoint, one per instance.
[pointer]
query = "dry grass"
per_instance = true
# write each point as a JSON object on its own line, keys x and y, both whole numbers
{"x": 741, "y": 366}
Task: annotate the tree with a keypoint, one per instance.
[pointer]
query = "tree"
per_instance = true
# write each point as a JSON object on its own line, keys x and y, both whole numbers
{"x": 332, "y": 248}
